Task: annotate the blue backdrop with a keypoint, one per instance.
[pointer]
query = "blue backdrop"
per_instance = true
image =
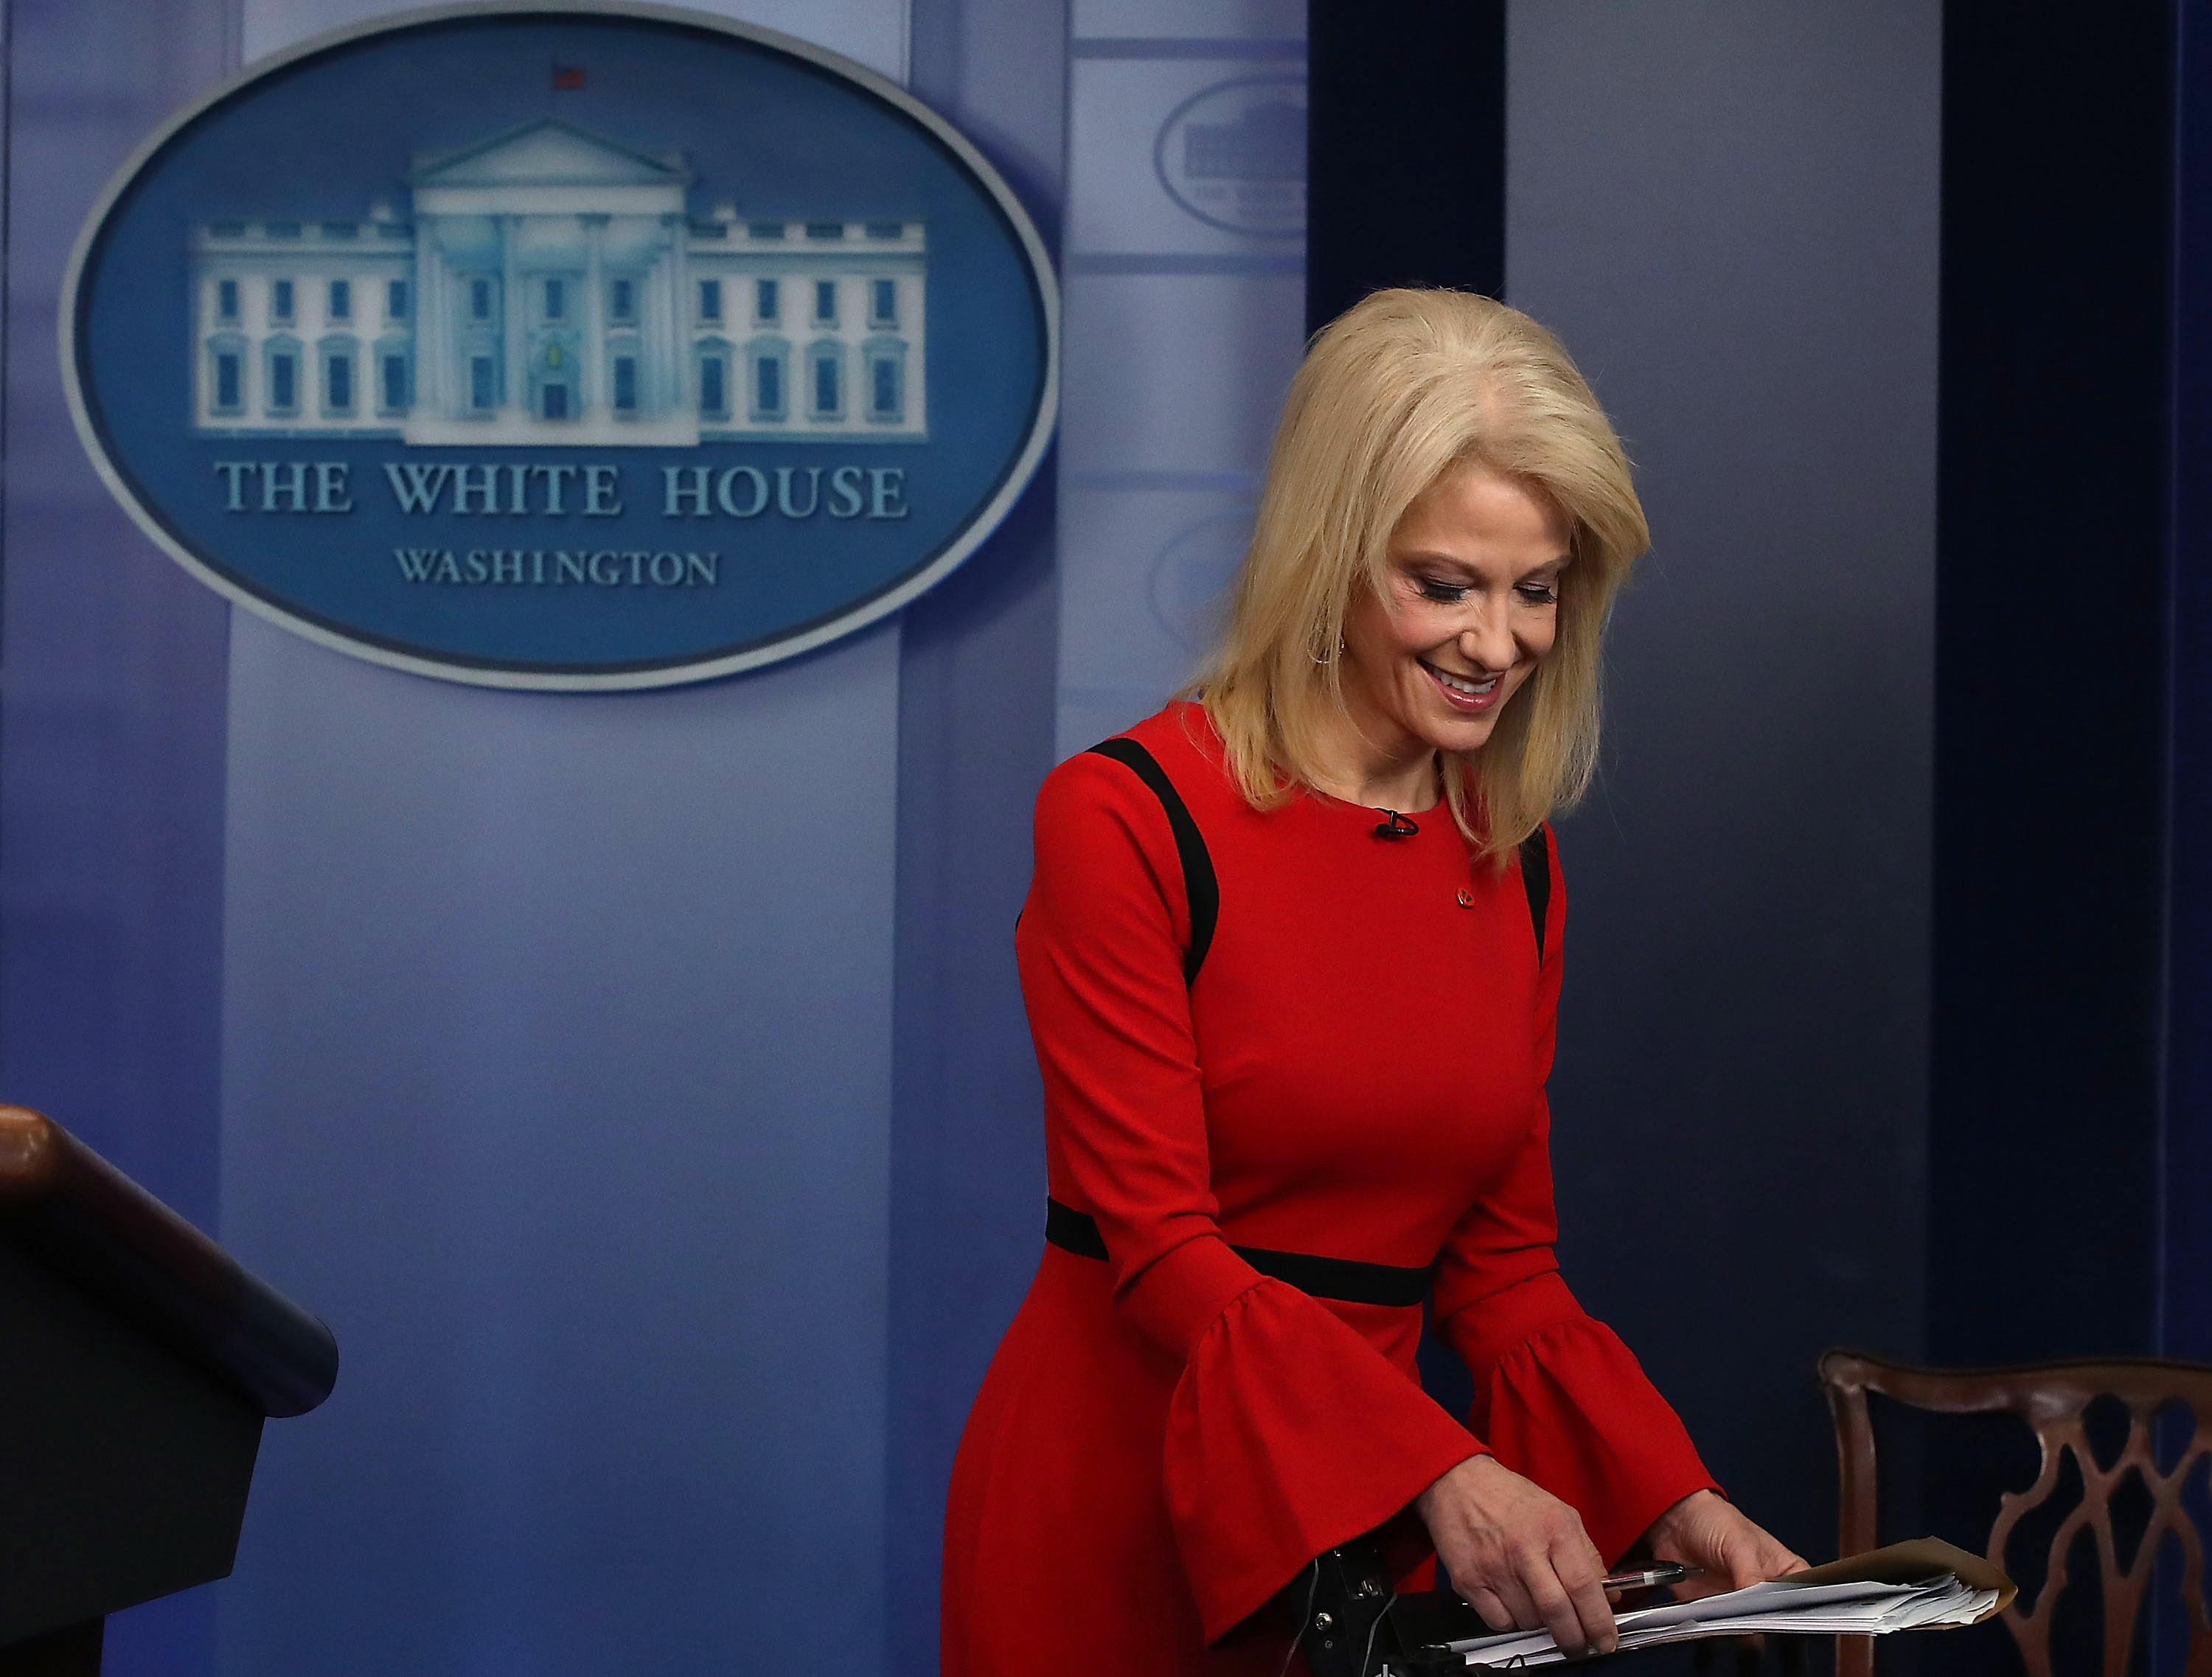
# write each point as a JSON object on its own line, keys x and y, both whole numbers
{"x": 638, "y": 1083}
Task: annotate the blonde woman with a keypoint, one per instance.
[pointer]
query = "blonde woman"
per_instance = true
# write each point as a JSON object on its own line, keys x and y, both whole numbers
{"x": 1292, "y": 960}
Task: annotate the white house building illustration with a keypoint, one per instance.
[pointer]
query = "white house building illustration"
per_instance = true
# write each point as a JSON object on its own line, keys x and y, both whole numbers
{"x": 548, "y": 287}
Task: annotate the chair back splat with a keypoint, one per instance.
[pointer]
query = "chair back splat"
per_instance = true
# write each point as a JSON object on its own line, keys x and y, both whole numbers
{"x": 2050, "y": 1398}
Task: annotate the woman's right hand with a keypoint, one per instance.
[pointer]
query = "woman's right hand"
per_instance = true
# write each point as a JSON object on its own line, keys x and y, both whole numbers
{"x": 1519, "y": 1555}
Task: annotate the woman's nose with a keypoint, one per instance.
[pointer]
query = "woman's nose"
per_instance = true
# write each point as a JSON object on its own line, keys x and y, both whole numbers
{"x": 1486, "y": 639}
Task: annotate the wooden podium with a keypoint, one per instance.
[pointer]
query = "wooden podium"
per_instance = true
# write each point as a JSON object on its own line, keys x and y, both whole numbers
{"x": 137, "y": 1362}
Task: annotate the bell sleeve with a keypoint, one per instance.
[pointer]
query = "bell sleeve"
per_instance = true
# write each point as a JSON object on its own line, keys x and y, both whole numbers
{"x": 1287, "y": 1432}
{"x": 1557, "y": 1396}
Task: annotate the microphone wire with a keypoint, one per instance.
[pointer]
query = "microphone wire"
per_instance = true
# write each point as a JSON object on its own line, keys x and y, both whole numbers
{"x": 1313, "y": 1587}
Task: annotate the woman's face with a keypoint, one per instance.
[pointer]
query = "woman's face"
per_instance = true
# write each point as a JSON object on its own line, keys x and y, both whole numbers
{"x": 1470, "y": 606}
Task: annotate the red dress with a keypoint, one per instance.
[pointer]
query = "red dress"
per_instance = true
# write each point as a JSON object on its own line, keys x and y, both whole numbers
{"x": 1166, "y": 1437}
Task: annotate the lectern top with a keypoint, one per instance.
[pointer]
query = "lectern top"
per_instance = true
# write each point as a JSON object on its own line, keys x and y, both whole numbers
{"x": 67, "y": 1208}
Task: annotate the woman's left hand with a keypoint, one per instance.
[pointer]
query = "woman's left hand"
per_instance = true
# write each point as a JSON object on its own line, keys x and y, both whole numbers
{"x": 1705, "y": 1530}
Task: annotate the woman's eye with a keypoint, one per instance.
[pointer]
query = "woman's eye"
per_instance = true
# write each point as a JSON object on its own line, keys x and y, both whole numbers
{"x": 1443, "y": 594}
{"x": 1540, "y": 593}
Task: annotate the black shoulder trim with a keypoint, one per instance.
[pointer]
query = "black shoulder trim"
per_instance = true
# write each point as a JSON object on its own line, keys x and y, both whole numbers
{"x": 1536, "y": 880}
{"x": 1200, "y": 889}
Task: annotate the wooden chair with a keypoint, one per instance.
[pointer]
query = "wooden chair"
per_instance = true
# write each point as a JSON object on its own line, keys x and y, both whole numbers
{"x": 2050, "y": 1397}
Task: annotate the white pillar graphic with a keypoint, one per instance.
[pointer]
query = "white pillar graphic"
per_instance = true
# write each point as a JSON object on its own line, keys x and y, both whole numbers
{"x": 592, "y": 372}
{"x": 433, "y": 383}
{"x": 516, "y": 396}
{"x": 675, "y": 336}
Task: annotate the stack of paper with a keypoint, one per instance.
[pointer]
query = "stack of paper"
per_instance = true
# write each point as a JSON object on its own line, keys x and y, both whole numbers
{"x": 1908, "y": 1586}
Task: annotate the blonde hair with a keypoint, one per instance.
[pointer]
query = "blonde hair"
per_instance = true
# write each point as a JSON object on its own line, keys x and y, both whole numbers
{"x": 1396, "y": 392}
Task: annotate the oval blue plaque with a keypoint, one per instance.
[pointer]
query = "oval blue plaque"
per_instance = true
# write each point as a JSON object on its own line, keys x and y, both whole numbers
{"x": 564, "y": 346}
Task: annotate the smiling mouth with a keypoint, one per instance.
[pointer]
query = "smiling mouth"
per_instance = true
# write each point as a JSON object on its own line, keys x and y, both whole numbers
{"x": 1472, "y": 688}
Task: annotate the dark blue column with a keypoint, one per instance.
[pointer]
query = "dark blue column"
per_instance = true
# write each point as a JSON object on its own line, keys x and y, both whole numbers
{"x": 2051, "y": 914}
{"x": 2186, "y": 1324}
{"x": 2050, "y": 689}
{"x": 1405, "y": 149}
{"x": 2185, "y": 1301}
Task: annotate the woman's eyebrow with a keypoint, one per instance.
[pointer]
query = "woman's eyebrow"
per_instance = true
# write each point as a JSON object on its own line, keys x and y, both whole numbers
{"x": 1470, "y": 568}
{"x": 1427, "y": 555}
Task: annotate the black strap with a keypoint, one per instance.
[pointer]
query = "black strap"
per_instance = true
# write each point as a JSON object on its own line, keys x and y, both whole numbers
{"x": 1536, "y": 880}
{"x": 1345, "y": 1279}
{"x": 1200, "y": 889}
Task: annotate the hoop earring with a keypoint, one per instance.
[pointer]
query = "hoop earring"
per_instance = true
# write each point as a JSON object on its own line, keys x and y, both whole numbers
{"x": 1341, "y": 648}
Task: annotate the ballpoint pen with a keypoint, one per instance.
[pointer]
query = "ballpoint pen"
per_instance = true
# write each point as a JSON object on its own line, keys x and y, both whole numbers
{"x": 1663, "y": 1572}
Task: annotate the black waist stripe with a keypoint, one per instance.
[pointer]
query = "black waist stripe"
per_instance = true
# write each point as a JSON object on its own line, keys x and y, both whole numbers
{"x": 1200, "y": 889}
{"x": 1345, "y": 1279}
{"x": 1072, "y": 1230}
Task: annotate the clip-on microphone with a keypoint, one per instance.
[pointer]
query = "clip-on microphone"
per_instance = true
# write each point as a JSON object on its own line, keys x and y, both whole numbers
{"x": 1397, "y": 827}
